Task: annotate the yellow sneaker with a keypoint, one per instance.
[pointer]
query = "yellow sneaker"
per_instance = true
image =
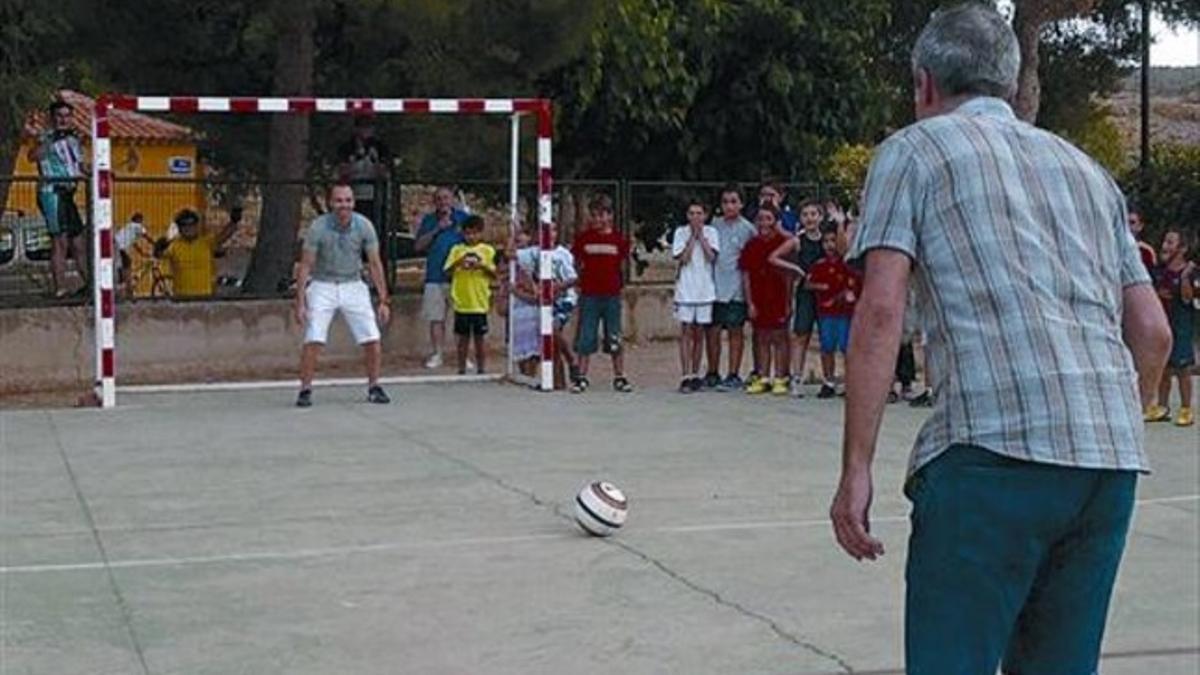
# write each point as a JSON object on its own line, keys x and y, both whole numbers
{"x": 780, "y": 386}
{"x": 1156, "y": 413}
{"x": 758, "y": 386}
{"x": 1184, "y": 418}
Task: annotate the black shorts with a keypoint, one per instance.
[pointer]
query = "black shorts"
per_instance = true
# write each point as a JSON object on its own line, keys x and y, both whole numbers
{"x": 470, "y": 325}
{"x": 804, "y": 319}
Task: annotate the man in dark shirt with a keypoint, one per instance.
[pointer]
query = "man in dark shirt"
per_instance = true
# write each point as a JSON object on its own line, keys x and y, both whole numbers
{"x": 365, "y": 165}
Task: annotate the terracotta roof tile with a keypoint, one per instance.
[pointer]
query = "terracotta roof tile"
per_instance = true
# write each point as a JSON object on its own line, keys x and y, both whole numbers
{"x": 124, "y": 124}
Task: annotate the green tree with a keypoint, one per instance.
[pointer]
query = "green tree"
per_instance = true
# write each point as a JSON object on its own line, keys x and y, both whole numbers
{"x": 31, "y": 43}
{"x": 712, "y": 90}
{"x": 1169, "y": 193}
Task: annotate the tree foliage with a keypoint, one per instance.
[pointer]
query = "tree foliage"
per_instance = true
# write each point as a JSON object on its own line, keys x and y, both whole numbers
{"x": 709, "y": 90}
{"x": 1169, "y": 193}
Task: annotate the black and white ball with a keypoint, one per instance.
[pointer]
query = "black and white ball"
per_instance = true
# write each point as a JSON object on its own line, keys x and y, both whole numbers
{"x": 600, "y": 508}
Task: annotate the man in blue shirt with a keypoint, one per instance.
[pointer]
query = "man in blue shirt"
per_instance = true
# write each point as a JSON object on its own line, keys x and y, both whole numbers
{"x": 438, "y": 233}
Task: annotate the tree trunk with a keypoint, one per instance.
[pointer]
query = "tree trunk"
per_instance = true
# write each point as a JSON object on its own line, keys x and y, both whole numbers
{"x": 274, "y": 251}
{"x": 1028, "y": 28}
{"x": 9, "y": 148}
{"x": 1028, "y": 19}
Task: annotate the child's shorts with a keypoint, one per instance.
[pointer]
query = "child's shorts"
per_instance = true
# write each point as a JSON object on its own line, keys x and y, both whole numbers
{"x": 470, "y": 325}
{"x": 594, "y": 309}
{"x": 1183, "y": 353}
{"x": 835, "y": 333}
{"x": 563, "y": 309}
{"x": 694, "y": 312}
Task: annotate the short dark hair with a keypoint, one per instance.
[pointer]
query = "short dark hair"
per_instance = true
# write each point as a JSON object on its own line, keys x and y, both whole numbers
{"x": 601, "y": 202}
{"x": 697, "y": 201}
{"x": 187, "y": 217}
{"x": 339, "y": 184}
{"x": 812, "y": 202}
{"x": 472, "y": 223}
{"x": 1185, "y": 240}
{"x": 773, "y": 183}
{"x": 769, "y": 208}
{"x": 58, "y": 104}
{"x": 730, "y": 188}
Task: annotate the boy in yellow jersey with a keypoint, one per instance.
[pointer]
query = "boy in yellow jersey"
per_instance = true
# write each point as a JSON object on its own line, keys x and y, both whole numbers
{"x": 472, "y": 268}
{"x": 191, "y": 255}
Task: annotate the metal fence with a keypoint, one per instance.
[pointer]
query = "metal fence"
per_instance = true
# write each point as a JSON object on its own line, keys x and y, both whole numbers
{"x": 152, "y": 268}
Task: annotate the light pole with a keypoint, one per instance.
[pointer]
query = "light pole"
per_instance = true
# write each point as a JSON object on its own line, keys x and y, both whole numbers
{"x": 1145, "y": 159}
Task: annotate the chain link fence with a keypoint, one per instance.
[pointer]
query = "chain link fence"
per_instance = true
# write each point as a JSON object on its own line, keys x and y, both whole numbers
{"x": 154, "y": 267}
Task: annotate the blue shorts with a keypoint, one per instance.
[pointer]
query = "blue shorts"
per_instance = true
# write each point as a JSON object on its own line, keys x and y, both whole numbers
{"x": 592, "y": 310}
{"x": 61, "y": 214}
{"x": 1183, "y": 351}
{"x": 835, "y": 334}
{"x": 563, "y": 309}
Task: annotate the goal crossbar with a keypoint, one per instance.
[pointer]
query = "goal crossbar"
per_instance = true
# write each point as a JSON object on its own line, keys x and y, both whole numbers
{"x": 104, "y": 296}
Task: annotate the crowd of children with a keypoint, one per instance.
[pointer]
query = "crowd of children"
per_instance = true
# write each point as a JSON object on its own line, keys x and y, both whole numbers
{"x": 786, "y": 282}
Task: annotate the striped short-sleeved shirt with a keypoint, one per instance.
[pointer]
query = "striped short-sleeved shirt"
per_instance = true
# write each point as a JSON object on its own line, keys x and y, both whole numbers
{"x": 1021, "y": 253}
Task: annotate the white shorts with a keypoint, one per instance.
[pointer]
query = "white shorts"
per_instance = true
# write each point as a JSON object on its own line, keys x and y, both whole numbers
{"x": 351, "y": 298}
{"x": 694, "y": 313}
{"x": 435, "y": 302}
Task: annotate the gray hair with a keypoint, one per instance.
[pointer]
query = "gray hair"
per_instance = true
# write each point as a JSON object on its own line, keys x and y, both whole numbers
{"x": 969, "y": 49}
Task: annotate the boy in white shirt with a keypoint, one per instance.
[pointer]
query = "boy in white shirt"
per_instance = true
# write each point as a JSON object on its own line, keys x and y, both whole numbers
{"x": 566, "y": 297}
{"x": 695, "y": 247}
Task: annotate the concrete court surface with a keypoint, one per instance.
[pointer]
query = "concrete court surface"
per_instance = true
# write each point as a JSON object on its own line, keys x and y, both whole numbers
{"x": 232, "y": 533}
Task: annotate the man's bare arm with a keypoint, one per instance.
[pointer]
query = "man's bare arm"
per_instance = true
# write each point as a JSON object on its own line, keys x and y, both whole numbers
{"x": 1148, "y": 336}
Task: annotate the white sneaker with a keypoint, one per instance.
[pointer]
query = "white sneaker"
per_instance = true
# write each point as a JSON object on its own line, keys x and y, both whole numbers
{"x": 470, "y": 366}
{"x": 434, "y": 360}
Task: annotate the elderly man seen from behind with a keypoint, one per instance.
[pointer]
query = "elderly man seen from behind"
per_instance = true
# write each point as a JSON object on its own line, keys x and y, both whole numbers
{"x": 1046, "y": 340}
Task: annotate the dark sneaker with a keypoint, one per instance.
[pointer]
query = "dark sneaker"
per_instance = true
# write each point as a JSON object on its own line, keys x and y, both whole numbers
{"x": 580, "y": 385}
{"x": 712, "y": 381}
{"x": 304, "y": 400}
{"x": 731, "y": 383}
{"x": 622, "y": 385}
{"x": 892, "y": 397}
{"x": 827, "y": 391}
{"x": 376, "y": 394}
{"x": 697, "y": 384}
{"x": 685, "y": 386}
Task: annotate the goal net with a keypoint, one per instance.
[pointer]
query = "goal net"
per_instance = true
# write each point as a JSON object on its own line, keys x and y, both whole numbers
{"x": 169, "y": 250}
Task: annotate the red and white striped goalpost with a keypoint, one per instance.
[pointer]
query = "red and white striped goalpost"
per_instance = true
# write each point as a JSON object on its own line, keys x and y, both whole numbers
{"x": 104, "y": 298}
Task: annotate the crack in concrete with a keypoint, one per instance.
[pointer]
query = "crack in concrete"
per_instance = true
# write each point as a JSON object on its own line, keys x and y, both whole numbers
{"x": 122, "y": 604}
{"x": 556, "y": 509}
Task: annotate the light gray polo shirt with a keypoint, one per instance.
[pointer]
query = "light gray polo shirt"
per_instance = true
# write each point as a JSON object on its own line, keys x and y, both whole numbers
{"x": 339, "y": 249}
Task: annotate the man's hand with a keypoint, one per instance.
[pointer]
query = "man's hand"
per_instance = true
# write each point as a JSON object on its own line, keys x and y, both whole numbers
{"x": 301, "y": 310}
{"x": 385, "y": 312}
{"x": 850, "y": 514}
{"x": 752, "y": 311}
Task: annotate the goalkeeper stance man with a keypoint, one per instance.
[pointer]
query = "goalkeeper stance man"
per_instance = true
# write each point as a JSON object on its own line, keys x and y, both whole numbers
{"x": 329, "y": 280}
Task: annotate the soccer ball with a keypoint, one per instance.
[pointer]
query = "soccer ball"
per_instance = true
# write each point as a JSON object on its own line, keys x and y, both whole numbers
{"x": 600, "y": 508}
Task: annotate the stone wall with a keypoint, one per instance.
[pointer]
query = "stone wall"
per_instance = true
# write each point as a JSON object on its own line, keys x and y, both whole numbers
{"x": 52, "y": 348}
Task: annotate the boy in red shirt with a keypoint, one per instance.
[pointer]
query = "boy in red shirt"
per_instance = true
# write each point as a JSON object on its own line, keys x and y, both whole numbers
{"x": 836, "y": 285}
{"x": 600, "y": 252}
{"x": 1173, "y": 282}
{"x": 769, "y": 299}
